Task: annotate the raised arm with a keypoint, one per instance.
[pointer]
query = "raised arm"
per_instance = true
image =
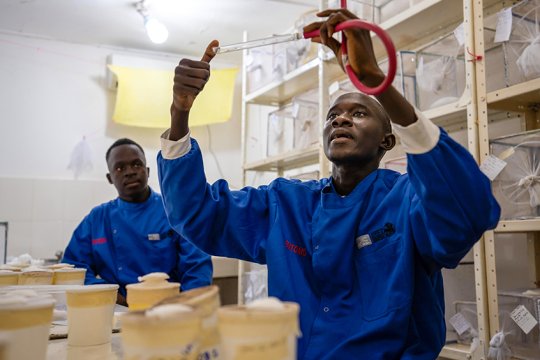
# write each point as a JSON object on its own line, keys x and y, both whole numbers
{"x": 362, "y": 60}
{"x": 190, "y": 77}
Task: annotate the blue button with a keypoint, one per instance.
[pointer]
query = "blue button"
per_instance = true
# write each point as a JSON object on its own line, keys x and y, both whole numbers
{"x": 326, "y": 309}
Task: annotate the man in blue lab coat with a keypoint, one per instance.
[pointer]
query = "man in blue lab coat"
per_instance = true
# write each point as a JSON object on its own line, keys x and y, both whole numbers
{"x": 130, "y": 236}
{"x": 361, "y": 251}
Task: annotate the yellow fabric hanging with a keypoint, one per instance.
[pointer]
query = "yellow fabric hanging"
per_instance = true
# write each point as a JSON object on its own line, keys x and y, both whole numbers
{"x": 144, "y": 97}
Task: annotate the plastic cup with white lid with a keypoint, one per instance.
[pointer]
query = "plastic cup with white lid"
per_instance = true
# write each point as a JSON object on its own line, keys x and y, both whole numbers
{"x": 169, "y": 332}
{"x": 263, "y": 329}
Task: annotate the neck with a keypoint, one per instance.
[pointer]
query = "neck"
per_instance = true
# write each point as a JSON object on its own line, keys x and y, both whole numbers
{"x": 139, "y": 197}
{"x": 346, "y": 177}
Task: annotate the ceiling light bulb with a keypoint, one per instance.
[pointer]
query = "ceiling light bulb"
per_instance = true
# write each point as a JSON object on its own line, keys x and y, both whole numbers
{"x": 157, "y": 32}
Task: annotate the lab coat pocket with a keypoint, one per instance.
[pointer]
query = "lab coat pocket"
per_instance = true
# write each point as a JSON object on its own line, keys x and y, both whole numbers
{"x": 383, "y": 282}
{"x": 163, "y": 252}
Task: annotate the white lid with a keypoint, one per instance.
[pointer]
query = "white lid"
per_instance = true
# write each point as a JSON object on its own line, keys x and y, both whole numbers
{"x": 69, "y": 269}
{"x": 153, "y": 277}
{"x": 92, "y": 288}
{"x": 24, "y": 299}
{"x": 270, "y": 303}
{"x": 167, "y": 311}
{"x": 33, "y": 268}
{"x": 60, "y": 266}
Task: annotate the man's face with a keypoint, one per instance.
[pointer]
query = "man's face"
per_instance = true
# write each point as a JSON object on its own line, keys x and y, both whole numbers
{"x": 354, "y": 130}
{"x": 128, "y": 172}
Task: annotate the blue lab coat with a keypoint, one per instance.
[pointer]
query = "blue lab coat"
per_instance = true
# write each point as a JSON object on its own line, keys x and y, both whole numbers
{"x": 365, "y": 268}
{"x": 120, "y": 241}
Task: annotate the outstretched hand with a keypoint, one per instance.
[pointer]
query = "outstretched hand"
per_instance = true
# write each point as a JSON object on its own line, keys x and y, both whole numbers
{"x": 360, "y": 52}
{"x": 190, "y": 78}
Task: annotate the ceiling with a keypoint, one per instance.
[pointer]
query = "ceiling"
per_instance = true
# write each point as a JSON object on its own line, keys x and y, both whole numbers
{"x": 191, "y": 24}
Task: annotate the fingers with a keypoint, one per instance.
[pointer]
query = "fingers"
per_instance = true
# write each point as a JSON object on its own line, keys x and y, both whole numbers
{"x": 313, "y": 26}
{"x": 209, "y": 52}
{"x": 345, "y": 12}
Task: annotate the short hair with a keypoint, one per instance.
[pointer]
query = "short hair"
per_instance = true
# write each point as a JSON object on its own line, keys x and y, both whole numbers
{"x": 119, "y": 142}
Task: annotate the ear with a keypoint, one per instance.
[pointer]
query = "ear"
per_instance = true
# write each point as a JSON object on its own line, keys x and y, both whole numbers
{"x": 109, "y": 178}
{"x": 388, "y": 142}
{"x": 147, "y": 172}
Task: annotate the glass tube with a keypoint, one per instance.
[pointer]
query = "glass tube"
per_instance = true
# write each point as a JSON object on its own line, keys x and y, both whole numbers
{"x": 257, "y": 43}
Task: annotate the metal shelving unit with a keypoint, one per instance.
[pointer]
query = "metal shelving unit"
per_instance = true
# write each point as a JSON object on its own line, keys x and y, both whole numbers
{"x": 420, "y": 24}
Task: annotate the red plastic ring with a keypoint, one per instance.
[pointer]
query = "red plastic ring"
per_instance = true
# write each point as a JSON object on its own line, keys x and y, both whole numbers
{"x": 388, "y": 44}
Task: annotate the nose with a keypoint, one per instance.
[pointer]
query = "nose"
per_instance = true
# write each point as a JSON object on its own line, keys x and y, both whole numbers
{"x": 130, "y": 171}
{"x": 343, "y": 120}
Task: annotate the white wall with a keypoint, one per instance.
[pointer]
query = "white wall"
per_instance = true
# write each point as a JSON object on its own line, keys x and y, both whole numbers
{"x": 51, "y": 95}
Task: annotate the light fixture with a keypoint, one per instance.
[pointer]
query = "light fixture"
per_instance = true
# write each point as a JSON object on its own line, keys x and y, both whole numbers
{"x": 156, "y": 31}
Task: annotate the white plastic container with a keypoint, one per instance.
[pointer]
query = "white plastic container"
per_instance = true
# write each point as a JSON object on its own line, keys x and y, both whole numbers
{"x": 90, "y": 312}
{"x": 259, "y": 332}
{"x": 35, "y": 276}
{"x": 69, "y": 276}
{"x": 169, "y": 332}
{"x": 151, "y": 289}
{"x": 25, "y": 321}
{"x": 205, "y": 300}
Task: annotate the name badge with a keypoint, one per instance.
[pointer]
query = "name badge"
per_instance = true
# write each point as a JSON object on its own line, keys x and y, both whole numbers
{"x": 363, "y": 241}
{"x": 154, "y": 237}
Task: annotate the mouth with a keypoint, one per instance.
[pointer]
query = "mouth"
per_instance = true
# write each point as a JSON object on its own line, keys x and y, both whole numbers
{"x": 339, "y": 136}
{"x": 132, "y": 184}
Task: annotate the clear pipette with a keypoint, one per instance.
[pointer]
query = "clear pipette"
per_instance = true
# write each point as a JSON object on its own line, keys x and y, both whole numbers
{"x": 257, "y": 43}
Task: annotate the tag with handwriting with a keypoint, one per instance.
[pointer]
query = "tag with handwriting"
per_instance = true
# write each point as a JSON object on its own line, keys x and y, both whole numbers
{"x": 492, "y": 166}
{"x": 459, "y": 323}
{"x": 504, "y": 25}
{"x": 523, "y": 318}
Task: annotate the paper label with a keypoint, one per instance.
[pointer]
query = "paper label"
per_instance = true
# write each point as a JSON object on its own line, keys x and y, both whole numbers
{"x": 363, "y": 241}
{"x": 492, "y": 166}
{"x": 459, "y": 323}
{"x": 504, "y": 25}
{"x": 523, "y": 318}
{"x": 154, "y": 237}
{"x": 459, "y": 33}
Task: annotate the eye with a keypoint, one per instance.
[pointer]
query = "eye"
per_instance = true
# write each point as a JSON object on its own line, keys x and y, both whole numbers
{"x": 331, "y": 116}
{"x": 137, "y": 165}
{"x": 359, "y": 114}
{"x": 119, "y": 169}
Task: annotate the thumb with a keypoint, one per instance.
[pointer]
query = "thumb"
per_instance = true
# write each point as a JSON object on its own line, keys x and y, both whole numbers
{"x": 209, "y": 52}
